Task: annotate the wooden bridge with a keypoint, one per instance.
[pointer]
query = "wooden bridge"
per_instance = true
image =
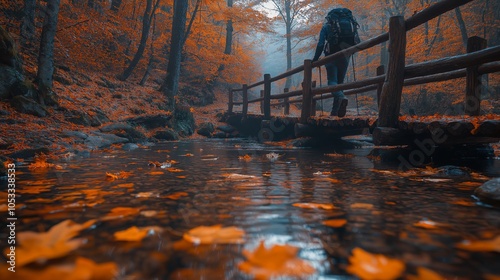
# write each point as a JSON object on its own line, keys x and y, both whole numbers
{"x": 387, "y": 128}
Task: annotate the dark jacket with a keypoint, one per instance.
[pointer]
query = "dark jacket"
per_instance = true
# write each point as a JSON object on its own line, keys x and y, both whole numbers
{"x": 322, "y": 43}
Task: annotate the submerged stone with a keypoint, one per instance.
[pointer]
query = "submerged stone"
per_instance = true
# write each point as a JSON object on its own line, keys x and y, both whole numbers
{"x": 489, "y": 192}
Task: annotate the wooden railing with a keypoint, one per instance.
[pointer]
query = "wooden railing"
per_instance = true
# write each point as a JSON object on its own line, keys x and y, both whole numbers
{"x": 479, "y": 60}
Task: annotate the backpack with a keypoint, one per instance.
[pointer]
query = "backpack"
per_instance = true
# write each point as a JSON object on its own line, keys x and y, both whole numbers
{"x": 343, "y": 31}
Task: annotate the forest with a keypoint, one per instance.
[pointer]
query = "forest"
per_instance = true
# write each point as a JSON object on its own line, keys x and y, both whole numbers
{"x": 114, "y": 119}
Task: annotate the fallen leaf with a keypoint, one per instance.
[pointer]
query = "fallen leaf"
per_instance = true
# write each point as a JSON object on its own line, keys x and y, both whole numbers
{"x": 156, "y": 173}
{"x": 55, "y": 243}
{"x": 362, "y": 206}
{"x": 374, "y": 266}
{"x": 492, "y": 245}
{"x": 111, "y": 176}
{"x": 425, "y": 274}
{"x": 427, "y": 224}
{"x": 491, "y": 277}
{"x": 82, "y": 269}
{"x": 120, "y": 212}
{"x": 277, "y": 261}
{"x": 215, "y": 235}
{"x": 324, "y": 206}
{"x": 463, "y": 202}
{"x": 336, "y": 223}
{"x": 131, "y": 234}
{"x": 177, "y": 195}
{"x": 174, "y": 170}
{"x": 245, "y": 158}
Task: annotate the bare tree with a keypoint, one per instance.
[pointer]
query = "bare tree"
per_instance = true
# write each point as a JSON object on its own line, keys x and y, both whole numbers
{"x": 28, "y": 23}
{"x": 46, "y": 53}
{"x": 171, "y": 84}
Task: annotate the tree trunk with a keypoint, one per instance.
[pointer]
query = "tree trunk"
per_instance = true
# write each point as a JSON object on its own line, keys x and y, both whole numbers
{"x": 28, "y": 24}
{"x": 288, "y": 25}
{"x": 461, "y": 24}
{"x": 146, "y": 24}
{"x": 46, "y": 53}
{"x": 174, "y": 61}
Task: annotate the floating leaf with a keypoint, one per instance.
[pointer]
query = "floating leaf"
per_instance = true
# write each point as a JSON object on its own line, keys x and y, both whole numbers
{"x": 428, "y": 224}
{"x": 215, "y": 235}
{"x": 174, "y": 170}
{"x": 177, "y": 195}
{"x": 272, "y": 156}
{"x": 245, "y": 157}
{"x": 324, "y": 206}
{"x": 426, "y": 274}
{"x": 374, "y": 266}
{"x": 131, "y": 234}
{"x": 367, "y": 206}
{"x": 156, "y": 173}
{"x": 120, "y": 212}
{"x": 274, "y": 262}
{"x": 492, "y": 245}
{"x": 336, "y": 223}
{"x": 55, "y": 243}
{"x": 82, "y": 269}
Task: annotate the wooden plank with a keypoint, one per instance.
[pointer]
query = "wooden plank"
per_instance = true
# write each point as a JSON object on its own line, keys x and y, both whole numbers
{"x": 393, "y": 86}
{"x": 488, "y": 128}
{"x": 267, "y": 96}
{"x": 390, "y": 136}
{"x": 459, "y": 128}
{"x": 453, "y": 63}
{"x": 380, "y": 72}
{"x": 230, "y": 103}
{"x": 306, "y": 89}
{"x": 474, "y": 79}
{"x": 433, "y": 11}
{"x": 245, "y": 100}
{"x": 286, "y": 108}
{"x": 262, "y": 102}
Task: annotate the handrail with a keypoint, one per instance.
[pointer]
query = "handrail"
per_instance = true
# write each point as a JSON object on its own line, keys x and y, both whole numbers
{"x": 478, "y": 60}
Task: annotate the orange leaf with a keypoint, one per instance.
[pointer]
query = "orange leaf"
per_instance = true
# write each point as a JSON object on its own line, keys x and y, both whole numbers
{"x": 426, "y": 274}
{"x": 336, "y": 223}
{"x": 492, "y": 245}
{"x": 427, "y": 224}
{"x": 120, "y": 212}
{"x": 177, "y": 195}
{"x": 374, "y": 266}
{"x": 215, "y": 235}
{"x": 277, "y": 261}
{"x": 362, "y": 206}
{"x": 131, "y": 234}
{"x": 324, "y": 206}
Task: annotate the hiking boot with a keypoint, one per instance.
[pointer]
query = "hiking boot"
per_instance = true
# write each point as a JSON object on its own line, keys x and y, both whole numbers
{"x": 343, "y": 108}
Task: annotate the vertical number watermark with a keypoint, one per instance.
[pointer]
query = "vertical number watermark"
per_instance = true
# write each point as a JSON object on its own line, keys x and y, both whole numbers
{"x": 11, "y": 218}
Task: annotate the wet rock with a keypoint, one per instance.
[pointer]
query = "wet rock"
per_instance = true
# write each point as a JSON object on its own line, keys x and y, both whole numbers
{"x": 305, "y": 142}
{"x": 184, "y": 122}
{"x": 220, "y": 134}
{"x": 29, "y": 153}
{"x": 78, "y": 117}
{"x": 111, "y": 138}
{"x": 96, "y": 142}
{"x": 206, "y": 129}
{"x": 489, "y": 192}
{"x": 124, "y": 130}
{"x": 167, "y": 134}
{"x": 130, "y": 147}
{"x": 453, "y": 171}
{"x": 24, "y": 88}
{"x": 150, "y": 121}
{"x": 99, "y": 117}
{"x": 75, "y": 134}
{"x": 226, "y": 128}
{"x": 28, "y": 106}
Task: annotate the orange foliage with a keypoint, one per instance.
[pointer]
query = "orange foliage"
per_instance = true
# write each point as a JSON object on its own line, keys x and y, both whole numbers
{"x": 374, "y": 266}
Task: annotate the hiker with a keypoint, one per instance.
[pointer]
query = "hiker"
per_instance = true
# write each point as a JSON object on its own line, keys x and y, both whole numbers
{"x": 338, "y": 32}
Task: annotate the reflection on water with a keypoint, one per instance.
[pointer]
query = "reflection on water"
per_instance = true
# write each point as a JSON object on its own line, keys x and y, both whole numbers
{"x": 262, "y": 206}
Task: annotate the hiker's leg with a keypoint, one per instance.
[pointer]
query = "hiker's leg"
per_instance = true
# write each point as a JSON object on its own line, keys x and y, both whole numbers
{"x": 332, "y": 73}
{"x": 342, "y": 64}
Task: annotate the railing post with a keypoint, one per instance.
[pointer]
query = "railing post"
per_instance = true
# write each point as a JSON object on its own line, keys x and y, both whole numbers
{"x": 267, "y": 96}
{"x": 245, "y": 100}
{"x": 313, "y": 101}
{"x": 390, "y": 100}
{"x": 380, "y": 71}
{"x": 474, "y": 84}
{"x": 286, "y": 109}
{"x": 262, "y": 102}
{"x": 306, "y": 92}
{"x": 230, "y": 103}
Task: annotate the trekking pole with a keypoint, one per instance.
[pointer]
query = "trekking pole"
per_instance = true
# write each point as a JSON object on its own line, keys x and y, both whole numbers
{"x": 320, "y": 85}
{"x": 354, "y": 77}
